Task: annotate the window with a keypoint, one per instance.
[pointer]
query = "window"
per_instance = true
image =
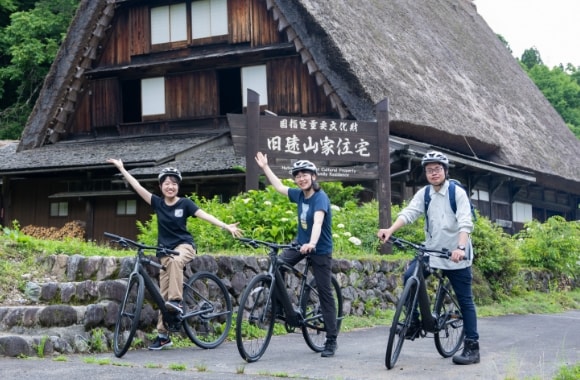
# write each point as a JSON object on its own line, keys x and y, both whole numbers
{"x": 209, "y": 18}
{"x": 254, "y": 78}
{"x": 153, "y": 96}
{"x": 127, "y": 207}
{"x": 168, "y": 24}
{"x": 522, "y": 212}
{"x": 59, "y": 209}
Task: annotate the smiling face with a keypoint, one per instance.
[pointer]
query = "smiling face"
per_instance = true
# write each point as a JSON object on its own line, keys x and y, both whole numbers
{"x": 435, "y": 173}
{"x": 169, "y": 187}
{"x": 304, "y": 179}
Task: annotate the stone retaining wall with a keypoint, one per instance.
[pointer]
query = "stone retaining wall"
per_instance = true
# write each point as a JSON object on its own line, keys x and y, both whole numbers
{"x": 85, "y": 292}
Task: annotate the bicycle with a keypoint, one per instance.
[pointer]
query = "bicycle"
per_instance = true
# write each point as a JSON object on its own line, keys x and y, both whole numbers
{"x": 207, "y": 307}
{"x": 445, "y": 321}
{"x": 266, "y": 299}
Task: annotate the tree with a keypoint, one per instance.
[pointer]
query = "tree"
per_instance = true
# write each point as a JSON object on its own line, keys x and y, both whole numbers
{"x": 531, "y": 57}
{"x": 28, "y": 46}
{"x": 561, "y": 90}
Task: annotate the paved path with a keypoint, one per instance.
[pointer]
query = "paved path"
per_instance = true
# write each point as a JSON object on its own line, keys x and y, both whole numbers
{"x": 513, "y": 347}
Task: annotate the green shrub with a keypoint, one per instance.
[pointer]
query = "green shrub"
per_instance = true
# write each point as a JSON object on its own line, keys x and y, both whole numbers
{"x": 496, "y": 256}
{"x": 553, "y": 245}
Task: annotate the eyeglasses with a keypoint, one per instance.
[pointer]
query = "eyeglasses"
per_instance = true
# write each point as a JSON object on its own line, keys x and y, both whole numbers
{"x": 301, "y": 176}
{"x": 436, "y": 170}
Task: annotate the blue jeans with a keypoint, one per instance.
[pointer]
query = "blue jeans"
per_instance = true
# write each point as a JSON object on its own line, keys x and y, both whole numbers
{"x": 461, "y": 282}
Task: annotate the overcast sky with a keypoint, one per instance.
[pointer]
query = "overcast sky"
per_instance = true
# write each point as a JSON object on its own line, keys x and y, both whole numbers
{"x": 552, "y": 26}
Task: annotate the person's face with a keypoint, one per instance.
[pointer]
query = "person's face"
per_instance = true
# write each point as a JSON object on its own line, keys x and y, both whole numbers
{"x": 304, "y": 180}
{"x": 169, "y": 187}
{"x": 435, "y": 173}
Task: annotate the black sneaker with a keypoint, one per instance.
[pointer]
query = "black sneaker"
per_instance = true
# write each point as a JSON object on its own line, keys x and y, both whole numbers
{"x": 330, "y": 347}
{"x": 175, "y": 306}
{"x": 160, "y": 343}
{"x": 413, "y": 330}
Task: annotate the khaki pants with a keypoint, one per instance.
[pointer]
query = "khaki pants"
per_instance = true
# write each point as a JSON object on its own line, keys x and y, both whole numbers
{"x": 171, "y": 279}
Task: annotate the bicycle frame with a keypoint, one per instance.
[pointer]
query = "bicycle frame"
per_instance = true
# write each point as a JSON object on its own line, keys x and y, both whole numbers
{"x": 293, "y": 317}
{"x": 428, "y": 320}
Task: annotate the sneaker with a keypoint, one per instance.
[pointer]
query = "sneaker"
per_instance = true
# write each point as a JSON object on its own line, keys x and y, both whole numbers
{"x": 175, "y": 306}
{"x": 160, "y": 343}
{"x": 413, "y": 330}
{"x": 330, "y": 347}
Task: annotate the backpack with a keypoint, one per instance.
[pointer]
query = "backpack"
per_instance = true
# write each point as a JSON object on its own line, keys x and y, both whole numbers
{"x": 452, "y": 184}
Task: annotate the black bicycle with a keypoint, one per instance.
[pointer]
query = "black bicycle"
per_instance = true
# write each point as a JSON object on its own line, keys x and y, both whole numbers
{"x": 266, "y": 298}
{"x": 445, "y": 321}
{"x": 207, "y": 308}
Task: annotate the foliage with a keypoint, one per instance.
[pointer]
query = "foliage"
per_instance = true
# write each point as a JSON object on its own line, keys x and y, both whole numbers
{"x": 28, "y": 46}
{"x": 560, "y": 85}
{"x": 495, "y": 255}
{"x": 553, "y": 245}
{"x": 268, "y": 215}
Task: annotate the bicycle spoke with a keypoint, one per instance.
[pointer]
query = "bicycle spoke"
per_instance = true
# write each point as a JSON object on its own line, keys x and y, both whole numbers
{"x": 255, "y": 320}
{"x": 449, "y": 339}
{"x": 208, "y": 310}
{"x": 129, "y": 313}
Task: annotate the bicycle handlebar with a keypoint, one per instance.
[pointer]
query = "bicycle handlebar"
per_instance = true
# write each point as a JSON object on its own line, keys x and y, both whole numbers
{"x": 125, "y": 242}
{"x": 273, "y": 246}
{"x": 401, "y": 243}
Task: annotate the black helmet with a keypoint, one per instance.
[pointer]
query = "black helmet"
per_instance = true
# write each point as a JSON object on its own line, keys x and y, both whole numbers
{"x": 303, "y": 165}
{"x": 169, "y": 172}
{"x": 436, "y": 157}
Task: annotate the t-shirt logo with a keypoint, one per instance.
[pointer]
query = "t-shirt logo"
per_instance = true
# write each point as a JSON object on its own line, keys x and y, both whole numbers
{"x": 303, "y": 216}
{"x": 179, "y": 213}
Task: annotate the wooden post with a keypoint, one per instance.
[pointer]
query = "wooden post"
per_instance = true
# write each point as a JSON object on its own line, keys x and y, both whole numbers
{"x": 252, "y": 142}
{"x": 384, "y": 188}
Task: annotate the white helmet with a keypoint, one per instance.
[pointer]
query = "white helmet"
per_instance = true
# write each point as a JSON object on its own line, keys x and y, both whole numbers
{"x": 169, "y": 172}
{"x": 303, "y": 165}
{"x": 436, "y": 157}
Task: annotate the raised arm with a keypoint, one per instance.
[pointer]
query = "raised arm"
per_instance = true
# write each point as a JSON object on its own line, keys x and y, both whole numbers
{"x": 262, "y": 161}
{"x": 143, "y": 193}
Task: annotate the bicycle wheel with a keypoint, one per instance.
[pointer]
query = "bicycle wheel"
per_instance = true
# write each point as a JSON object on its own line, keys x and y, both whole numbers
{"x": 255, "y": 320}
{"x": 129, "y": 313}
{"x": 449, "y": 338}
{"x": 207, "y": 310}
{"x": 313, "y": 328}
{"x": 401, "y": 322}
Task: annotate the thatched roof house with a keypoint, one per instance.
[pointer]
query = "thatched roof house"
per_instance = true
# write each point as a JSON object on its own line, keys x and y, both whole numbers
{"x": 450, "y": 82}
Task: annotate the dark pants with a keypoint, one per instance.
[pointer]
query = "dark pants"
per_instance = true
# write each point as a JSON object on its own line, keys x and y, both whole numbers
{"x": 461, "y": 282}
{"x": 321, "y": 267}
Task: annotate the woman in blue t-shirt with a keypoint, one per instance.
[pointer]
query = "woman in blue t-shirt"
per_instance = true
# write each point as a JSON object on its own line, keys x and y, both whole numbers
{"x": 314, "y": 235}
{"x": 172, "y": 212}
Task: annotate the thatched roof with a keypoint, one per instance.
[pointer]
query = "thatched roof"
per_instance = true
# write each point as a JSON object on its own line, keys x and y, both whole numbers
{"x": 444, "y": 71}
{"x": 449, "y": 80}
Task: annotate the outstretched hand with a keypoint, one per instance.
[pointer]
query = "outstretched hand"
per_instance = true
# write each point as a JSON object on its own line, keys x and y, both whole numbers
{"x": 117, "y": 162}
{"x": 234, "y": 230}
{"x": 261, "y": 159}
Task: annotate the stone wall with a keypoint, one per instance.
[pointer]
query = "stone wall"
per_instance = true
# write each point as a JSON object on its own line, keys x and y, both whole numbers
{"x": 84, "y": 293}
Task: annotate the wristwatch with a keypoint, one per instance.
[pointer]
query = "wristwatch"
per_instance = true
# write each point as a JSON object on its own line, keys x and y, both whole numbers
{"x": 461, "y": 247}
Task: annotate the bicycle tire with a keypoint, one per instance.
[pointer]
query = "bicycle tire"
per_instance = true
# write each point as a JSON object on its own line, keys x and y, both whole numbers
{"x": 205, "y": 292}
{"x": 313, "y": 329}
{"x": 255, "y": 319}
{"x": 449, "y": 338}
{"x": 129, "y": 314}
{"x": 404, "y": 312}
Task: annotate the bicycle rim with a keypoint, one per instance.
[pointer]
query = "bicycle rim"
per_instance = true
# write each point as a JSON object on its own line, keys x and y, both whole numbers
{"x": 129, "y": 314}
{"x": 401, "y": 323}
{"x": 448, "y": 340}
{"x": 207, "y": 310}
{"x": 313, "y": 328}
{"x": 255, "y": 320}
